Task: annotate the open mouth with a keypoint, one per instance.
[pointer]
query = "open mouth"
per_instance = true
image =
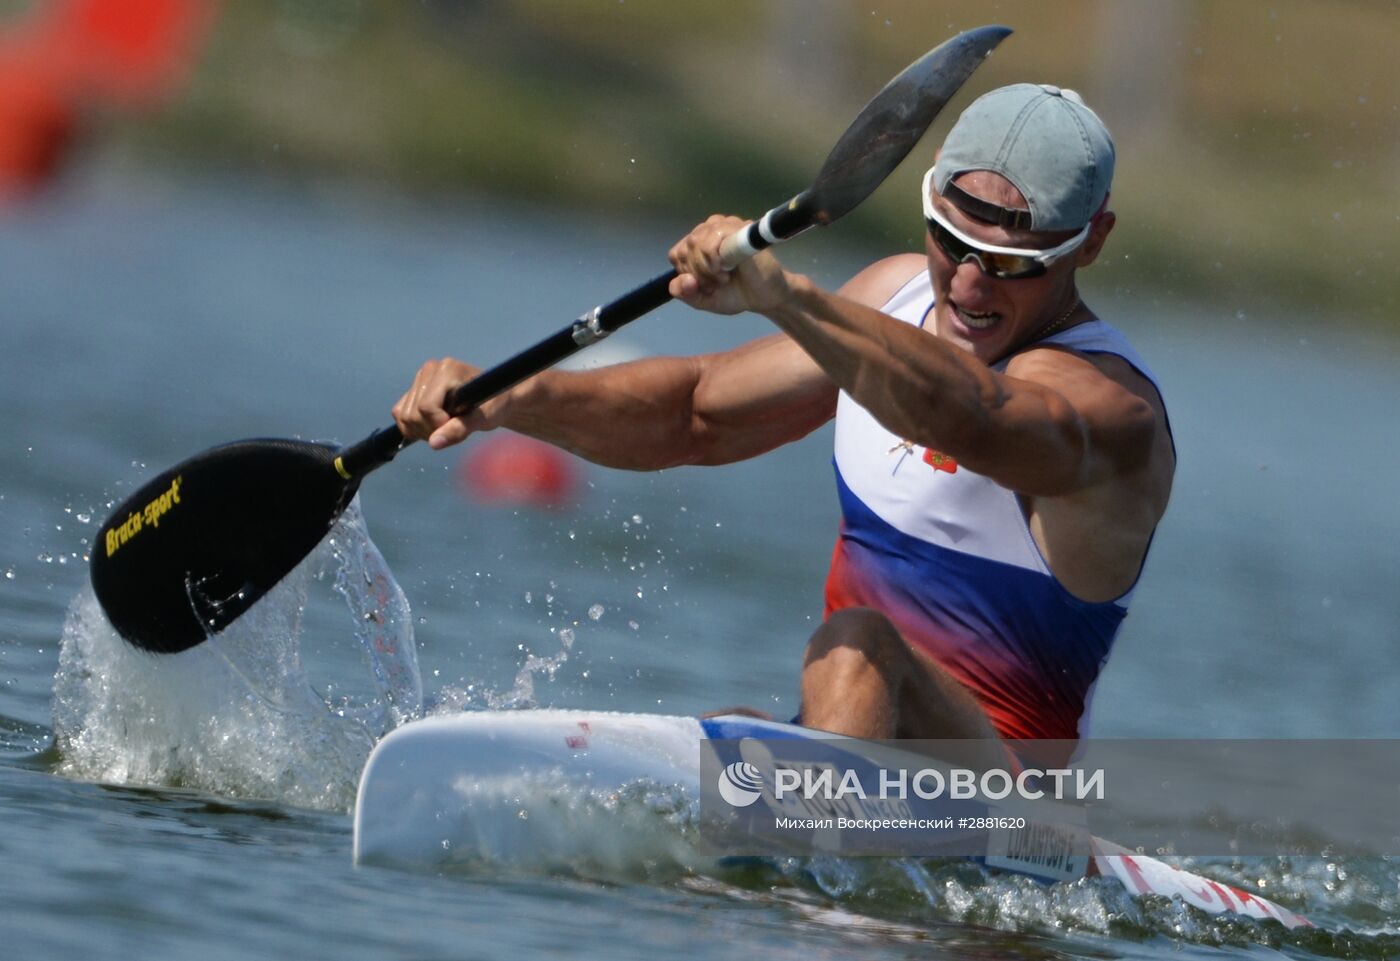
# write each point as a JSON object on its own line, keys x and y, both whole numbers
{"x": 975, "y": 320}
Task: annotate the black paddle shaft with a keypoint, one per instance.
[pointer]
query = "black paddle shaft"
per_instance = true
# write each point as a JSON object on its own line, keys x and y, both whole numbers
{"x": 379, "y": 448}
{"x": 192, "y": 549}
{"x": 781, "y": 223}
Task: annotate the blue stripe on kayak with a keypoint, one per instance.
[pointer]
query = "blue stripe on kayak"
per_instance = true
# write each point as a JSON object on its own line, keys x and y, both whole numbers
{"x": 733, "y": 727}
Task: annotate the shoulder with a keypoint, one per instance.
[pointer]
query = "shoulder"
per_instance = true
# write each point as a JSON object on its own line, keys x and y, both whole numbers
{"x": 877, "y": 283}
{"x": 1118, "y": 409}
{"x": 1094, "y": 351}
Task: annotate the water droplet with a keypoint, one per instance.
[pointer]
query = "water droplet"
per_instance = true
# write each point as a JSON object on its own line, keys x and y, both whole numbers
{"x": 84, "y": 518}
{"x": 9, "y": 573}
{"x": 636, "y": 518}
{"x": 45, "y": 558}
{"x": 595, "y": 612}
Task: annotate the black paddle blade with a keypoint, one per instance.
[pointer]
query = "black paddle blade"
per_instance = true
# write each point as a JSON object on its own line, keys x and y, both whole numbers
{"x": 892, "y": 123}
{"x": 193, "y": 549}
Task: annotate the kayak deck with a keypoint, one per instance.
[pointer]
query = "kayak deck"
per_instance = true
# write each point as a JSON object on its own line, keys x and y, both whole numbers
{"x": 517, "y": 787}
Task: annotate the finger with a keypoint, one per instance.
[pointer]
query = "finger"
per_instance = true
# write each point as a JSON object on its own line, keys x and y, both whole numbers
{"x": 407, "y": 414}
{"x": 430, "y": 402}
{"x": 684, "y": 287}
{"x": 453, "y": 432}
{"x": 697, "y": 251}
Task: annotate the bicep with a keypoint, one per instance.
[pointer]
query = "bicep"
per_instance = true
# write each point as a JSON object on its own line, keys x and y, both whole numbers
{"x": 1064, "y": 423}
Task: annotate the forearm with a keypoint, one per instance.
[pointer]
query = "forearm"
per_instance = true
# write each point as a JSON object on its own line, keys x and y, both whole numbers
{"x": 917, "y": 386}
{"x": 668, "y": 411}
{"x": 1021, "y": 429}
{"x": 635, "y": 416}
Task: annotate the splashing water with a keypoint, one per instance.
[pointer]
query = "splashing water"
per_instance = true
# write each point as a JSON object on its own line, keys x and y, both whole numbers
{"x": 383, "y": 621}
{"x": 237, "y": 715}
{"x": 521, "y": 694}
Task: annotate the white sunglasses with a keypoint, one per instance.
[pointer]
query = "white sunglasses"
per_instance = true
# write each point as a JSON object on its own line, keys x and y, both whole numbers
{"x": 1003, "y": 263}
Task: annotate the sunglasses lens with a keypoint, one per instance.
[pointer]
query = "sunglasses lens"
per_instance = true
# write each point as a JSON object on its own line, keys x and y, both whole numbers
{"x": 950, "y": 245}
{"x": 1012, "y": 267}
{"x": 1003, "y": 266}
{"x": 1000, "y": 266}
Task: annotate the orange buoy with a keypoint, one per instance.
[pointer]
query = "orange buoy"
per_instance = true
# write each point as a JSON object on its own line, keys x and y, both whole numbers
{"x": 36, "y": 123}
{"x": 514, "y": 470}
{"x": 67, "y": 58}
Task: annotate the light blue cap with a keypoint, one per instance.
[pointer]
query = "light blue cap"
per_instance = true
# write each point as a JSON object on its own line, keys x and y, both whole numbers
{"x": 1044, "y": 140}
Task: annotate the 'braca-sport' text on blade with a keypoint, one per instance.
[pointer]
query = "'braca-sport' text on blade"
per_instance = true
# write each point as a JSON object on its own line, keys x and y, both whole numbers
{"x": 191, "y": 550}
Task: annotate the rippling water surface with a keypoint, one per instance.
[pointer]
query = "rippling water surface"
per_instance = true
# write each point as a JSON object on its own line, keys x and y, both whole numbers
{"x": 197, "y": 805}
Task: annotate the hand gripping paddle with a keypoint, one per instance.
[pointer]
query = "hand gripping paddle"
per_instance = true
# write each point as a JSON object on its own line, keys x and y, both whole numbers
{"x": 191, "y": 550}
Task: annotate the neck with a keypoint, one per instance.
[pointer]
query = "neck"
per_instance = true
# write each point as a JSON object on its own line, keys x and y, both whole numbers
{"x": 1058, "y": 322}
{"x": 1054, "y": 324}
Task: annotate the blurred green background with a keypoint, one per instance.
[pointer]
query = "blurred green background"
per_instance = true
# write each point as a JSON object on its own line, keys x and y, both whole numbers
{"x": 1259, "y": 142}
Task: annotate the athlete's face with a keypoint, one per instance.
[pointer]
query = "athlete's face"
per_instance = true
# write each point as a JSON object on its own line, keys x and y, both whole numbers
{"x": 988, "y": 316}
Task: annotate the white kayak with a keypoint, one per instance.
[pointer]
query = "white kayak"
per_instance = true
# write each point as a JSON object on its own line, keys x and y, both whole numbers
{"x": 535, "y": 787}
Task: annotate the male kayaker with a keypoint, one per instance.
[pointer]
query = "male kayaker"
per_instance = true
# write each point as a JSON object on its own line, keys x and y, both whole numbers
{"x": 1003, "y": 455}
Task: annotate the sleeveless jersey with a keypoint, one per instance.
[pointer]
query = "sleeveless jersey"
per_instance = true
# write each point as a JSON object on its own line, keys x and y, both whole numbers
{"x": 948, "y": 556}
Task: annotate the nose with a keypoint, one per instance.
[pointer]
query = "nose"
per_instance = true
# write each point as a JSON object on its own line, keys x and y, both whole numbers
{"x": 969, "y": 280}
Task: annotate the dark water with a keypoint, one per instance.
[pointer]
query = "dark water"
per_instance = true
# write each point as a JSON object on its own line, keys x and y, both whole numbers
{"x": 192, "y": 813}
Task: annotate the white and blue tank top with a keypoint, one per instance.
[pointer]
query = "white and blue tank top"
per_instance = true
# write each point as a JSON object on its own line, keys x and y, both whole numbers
{"x": 947, "y": 554}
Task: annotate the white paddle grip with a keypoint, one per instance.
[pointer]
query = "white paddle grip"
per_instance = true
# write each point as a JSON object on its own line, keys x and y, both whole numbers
{"x": 736, "y": 249}
{"x": 742, "y": 244}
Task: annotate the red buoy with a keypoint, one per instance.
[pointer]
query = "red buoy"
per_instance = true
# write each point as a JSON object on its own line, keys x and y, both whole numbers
{"x": 514, "y": 470}
{"x": 67, "y": 59}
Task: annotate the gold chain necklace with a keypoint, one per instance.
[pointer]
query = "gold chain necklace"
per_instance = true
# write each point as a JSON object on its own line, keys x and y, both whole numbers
{"x": 1057, "y": 323}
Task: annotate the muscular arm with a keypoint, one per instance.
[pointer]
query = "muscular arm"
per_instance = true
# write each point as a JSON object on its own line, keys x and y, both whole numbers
{"x": 1053, "y": 424}
{"x": 668, "y": 411}
{"x": 659, "y": 412}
